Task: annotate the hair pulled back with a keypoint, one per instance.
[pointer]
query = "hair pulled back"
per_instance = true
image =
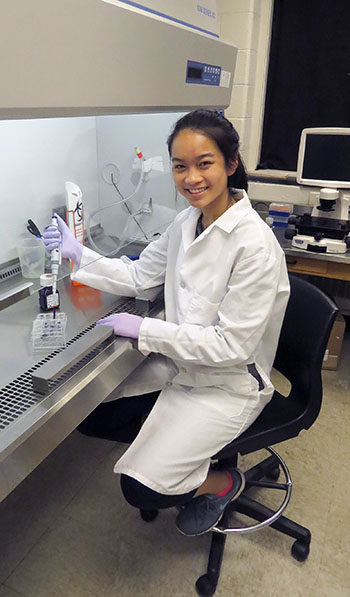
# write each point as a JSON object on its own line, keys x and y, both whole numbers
{"x": 220, "y": 130}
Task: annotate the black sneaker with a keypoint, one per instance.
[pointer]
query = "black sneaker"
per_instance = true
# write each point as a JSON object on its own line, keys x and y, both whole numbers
{"x": 203, "y": 513}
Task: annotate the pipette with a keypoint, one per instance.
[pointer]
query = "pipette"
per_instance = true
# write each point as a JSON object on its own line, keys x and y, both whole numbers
{"x": 56, "y": 260}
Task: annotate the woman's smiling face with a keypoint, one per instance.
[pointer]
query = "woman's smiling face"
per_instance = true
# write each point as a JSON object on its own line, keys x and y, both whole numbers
{"x": 199, "y": 170}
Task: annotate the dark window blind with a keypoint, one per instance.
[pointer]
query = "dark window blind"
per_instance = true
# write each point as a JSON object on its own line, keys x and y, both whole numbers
{"x": 308, "y": 82}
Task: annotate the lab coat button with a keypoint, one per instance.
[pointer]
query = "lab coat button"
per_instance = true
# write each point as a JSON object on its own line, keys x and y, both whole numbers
{"x": 182, "y": 284}
{"x": 183, "y": 369}
{"x": 168, "y": 383}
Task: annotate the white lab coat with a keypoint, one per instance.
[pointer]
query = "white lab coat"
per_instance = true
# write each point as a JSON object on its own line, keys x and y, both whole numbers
{"x": 225, "y": 296}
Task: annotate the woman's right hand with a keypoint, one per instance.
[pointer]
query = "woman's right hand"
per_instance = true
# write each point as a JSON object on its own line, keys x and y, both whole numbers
{"x": 54, "y": 237}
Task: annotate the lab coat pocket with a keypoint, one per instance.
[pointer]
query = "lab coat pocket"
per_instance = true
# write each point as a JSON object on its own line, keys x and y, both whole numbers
{"x": 201, "y": 311}
{"x": 231, "y": 397}
{"x": 235, "y": 382}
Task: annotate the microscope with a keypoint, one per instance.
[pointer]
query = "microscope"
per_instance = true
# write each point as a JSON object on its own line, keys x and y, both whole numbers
{"x": 327, "y": 228}
{"x": 324, "y": 163}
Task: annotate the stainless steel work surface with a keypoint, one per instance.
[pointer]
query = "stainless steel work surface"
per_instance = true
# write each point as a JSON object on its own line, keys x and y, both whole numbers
{"x": 66, "y": 359}
{"x": 33, "y": 424}
{"x": 82, "y": 305}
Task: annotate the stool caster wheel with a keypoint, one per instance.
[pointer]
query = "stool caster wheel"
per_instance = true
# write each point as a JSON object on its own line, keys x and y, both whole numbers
{"x": 300, "y": 551}
{"x": 205, "y": 587}
{"x": 273, "y": 474}
{"x": 148, "y": 515}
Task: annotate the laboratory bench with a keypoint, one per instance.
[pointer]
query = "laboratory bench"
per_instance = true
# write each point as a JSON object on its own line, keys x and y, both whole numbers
{"x": 45, "y": 394}
{"x": 326, "y": 265}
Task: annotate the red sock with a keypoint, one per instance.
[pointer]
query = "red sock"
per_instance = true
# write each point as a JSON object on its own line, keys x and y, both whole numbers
{"x": 227, "y": 489}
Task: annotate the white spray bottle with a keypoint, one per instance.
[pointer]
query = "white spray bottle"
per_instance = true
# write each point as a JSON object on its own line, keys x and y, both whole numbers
{"x": 75, "y": 214}
{"x": 75, "y": 210}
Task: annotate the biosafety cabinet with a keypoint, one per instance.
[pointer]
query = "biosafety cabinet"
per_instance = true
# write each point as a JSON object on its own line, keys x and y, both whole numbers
{"x": 68, "y": 58}
{"x": 82, "y": 57}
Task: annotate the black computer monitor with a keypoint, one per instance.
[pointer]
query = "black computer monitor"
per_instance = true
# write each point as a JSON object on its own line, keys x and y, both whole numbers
{"x": 324, "y": 158}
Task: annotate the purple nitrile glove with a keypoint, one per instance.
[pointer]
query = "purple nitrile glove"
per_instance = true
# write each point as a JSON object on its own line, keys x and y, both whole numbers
{"x": 71, "y": 247}
{"x": 123, "y": 324}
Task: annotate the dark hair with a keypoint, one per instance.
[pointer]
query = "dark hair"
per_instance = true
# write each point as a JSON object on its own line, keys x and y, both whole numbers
{"x": 220, "y": 130}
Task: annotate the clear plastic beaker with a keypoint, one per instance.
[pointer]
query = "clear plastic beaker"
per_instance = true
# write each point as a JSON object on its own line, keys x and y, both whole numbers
{"x": 31, "y": 253}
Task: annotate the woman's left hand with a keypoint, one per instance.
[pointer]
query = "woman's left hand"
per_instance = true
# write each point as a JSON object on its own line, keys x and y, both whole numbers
{"x": 123, "y": 324}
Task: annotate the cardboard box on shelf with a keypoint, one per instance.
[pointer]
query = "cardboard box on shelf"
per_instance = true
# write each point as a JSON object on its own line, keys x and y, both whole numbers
{"x": 332, "y": 354}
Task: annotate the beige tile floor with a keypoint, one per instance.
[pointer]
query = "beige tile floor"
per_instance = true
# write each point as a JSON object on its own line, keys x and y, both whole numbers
{"x": 67, "y": 532}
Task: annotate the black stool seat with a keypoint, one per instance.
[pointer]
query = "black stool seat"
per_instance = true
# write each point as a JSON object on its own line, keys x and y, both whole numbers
{"x": 280, "y": 420}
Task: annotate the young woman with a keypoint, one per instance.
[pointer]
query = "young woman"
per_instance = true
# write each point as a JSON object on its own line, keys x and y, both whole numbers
{"x": 226, "y": 289}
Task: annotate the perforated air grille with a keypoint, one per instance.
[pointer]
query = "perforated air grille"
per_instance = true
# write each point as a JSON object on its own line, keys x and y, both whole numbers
{"x": 18, "y": 396}
{"x": 10, "y": 272}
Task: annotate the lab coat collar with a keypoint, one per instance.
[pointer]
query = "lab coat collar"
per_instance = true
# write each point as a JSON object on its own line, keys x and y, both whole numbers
{"x": 227, "y": 221}
{"x": 189, "y": 227}
{"x": 232, "y": 216}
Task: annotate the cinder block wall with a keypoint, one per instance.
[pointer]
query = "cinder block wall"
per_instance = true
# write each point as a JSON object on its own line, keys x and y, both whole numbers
{"x": 243, "y": 23}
